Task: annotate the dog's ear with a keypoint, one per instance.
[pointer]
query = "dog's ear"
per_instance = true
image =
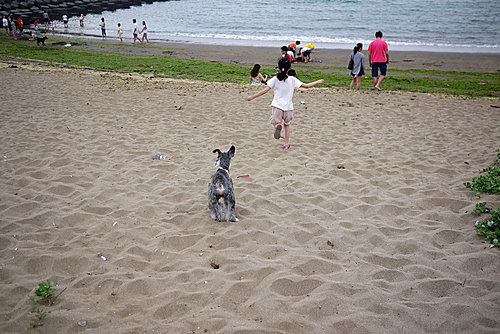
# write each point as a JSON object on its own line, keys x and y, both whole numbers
{"x": 217, "y": 151}
{"x": 231, "y": 151}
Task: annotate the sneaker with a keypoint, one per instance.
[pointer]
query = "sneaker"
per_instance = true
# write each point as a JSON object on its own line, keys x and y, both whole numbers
{"x": 277, "y": 132}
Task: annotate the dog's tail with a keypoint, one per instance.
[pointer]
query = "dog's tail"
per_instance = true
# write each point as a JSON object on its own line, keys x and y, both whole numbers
{"x": 220, "y": 189}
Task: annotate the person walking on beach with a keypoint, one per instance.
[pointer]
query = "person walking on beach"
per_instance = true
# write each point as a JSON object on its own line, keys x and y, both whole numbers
{"x": 65, "y": 20}
{"x": 81, "y": 20}
{"x": 144, "y": 32}
{"x": 103, "y": 28}
{"x": 53, "y": 26}
{"x": 12, "y": 26}
{"x": 378, "y": 56}
{"x": 136, "y": 31}
{"x": 358, "y": 69}
{"x": 120, "y": 32}
{"x": 282, "y": 106}
{"x": 5, "y": 24}
{"x": 46, "y": 20}
{"x": 20, "y": 24}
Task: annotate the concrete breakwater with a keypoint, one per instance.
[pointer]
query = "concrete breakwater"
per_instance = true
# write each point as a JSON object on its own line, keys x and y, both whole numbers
{"x": 32, "y": 10}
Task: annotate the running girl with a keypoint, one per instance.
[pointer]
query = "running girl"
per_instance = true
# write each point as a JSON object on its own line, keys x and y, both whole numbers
{"x": 282, "y": 106}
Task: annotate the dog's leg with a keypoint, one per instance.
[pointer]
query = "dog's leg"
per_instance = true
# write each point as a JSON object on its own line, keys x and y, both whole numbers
{"x": 231, "y": 207}
{"x": 215, "y": 209}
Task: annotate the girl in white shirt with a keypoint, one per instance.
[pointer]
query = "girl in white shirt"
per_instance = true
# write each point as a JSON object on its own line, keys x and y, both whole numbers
{"x": 282, "y": 106}
{"x": 144, "y": 32}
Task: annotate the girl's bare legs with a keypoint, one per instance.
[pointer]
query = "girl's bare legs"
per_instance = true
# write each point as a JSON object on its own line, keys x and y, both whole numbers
{"x": 287, "y": 134}
{"x": 358, "y": 82}
{"x": 352, "y": 83}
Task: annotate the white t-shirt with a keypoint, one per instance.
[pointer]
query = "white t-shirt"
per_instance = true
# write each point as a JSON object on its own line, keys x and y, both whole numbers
{"x": 65, "y": 17}
{"x": 5, "y": 22}
{"x": 283, "y": 92}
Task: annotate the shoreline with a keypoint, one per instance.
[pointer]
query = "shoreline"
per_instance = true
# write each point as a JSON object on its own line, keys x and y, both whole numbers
{"x": 265, "y": 55}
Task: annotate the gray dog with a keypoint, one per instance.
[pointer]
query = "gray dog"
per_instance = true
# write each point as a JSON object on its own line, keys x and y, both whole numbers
{"x": 220, "y": 189}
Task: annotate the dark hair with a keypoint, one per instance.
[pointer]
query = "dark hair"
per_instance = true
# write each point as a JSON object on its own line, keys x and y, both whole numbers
{"x": 143, "y": 22}
{"x": 283, "y": 67}
{"x": 119, "y": 24}
{"x": 291, "y": 72}
{"x": 297, "y": 42}
{"x": 358, "y": 47}
{"x": 134, "y": 20}
{"x": 284, "y": 48}
{"x": 255, "y": 71}
{"x": 378, "y": 34}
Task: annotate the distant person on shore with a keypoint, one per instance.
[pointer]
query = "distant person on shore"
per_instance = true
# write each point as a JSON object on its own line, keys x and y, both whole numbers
{"x": 5, "y": 24}
{"x": 120, "y": 32}
{"x": 12, "y": 26}
{"x": 256, "y": 78}
{"x": 378, "y": 56}
{"x": 20, "y": 25}
{"x": 53, "y": 26}
{"x": 81, "y": 20}
{"x": 282, "y": 106}
{"x": 358, "y": 69}
{"x": 35, "y": 24}
{"x": 284, "y": 53}
{"x": 306, "y": 52}
{"x": 136, "y": 32}
{"x": 65, "y": 20}
{"x": 144, "y": 32}
{"x": 46, "y": 20}
{"x": 293, "y": 47}
{"x": 103, "y": 28}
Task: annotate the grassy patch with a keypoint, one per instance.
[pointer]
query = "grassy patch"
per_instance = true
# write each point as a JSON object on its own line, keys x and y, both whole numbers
{"x": 488, "y": 182}
{"x": 443, "y": 82}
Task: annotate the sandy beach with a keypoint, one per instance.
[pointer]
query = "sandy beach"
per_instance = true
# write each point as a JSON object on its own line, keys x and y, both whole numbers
{"x": 363, "y": 226}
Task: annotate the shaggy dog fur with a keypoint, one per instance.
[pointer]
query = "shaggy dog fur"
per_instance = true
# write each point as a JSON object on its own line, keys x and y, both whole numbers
{"x": 220, "y": 189}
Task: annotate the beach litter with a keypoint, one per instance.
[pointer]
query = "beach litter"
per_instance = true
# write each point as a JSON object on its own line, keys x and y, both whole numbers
{"x": 159, "y": 156}
{"x": 82, "y": 323}
{"x": 101, "y": 256}
{"x": 114, "y": 224}
{"x": 67, "y": 45}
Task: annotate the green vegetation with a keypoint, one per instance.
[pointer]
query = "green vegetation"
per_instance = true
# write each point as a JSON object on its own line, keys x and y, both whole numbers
{"x": 488, "y": 182}
{"x": 490, "y": 229}
{"x": 425, "y": 81}
{"x": 481, "y": 208}
{"x": 45, "y": 295}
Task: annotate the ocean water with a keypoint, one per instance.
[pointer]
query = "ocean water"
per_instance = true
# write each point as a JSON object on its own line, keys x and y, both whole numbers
{"x": 427, "y": 25}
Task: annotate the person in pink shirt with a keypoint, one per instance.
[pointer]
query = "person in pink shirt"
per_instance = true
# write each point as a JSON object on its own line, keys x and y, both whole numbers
{"x": 378, "y": 56}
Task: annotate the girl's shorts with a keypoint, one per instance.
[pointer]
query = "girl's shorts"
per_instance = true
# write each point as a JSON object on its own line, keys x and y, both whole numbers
{"x": 279, "y": 116}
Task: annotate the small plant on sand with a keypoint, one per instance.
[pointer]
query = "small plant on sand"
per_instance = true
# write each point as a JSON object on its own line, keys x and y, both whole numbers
{"x": 490, "y": 229}
{"x": 45, "y": 295}
{"x": 489, "y": 181}
{"x": 481, "y": 208}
